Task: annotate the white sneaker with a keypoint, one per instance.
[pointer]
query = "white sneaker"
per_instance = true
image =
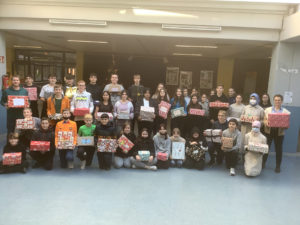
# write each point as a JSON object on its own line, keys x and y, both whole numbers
{"x": 154, "y": 168}
{"x": 82, "y": 166}
{"x": 232, "y": 172}
{"x": 70, "y": 165}
{"x": 133, "y": 167}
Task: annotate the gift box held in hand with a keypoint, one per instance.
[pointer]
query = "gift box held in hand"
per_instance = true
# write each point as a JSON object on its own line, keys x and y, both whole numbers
{"x": 219, "y": 104}
{"x": 147, "y": 113}
{"x": 15, "y": 101}
{"x": 248, "y": 118}
{"x": 125, "y": 144}
{"x": 85, "y": 141}
{"x": 257, "y": 147}
{"x": 162, "y": 156}
{"x": 123, "y": 115}
{"x": 24, "y": 124}
{"x": 107, "y": 145}
{"x": 208, "y": 135}
{"x": 178, "y": 150}
{"x": 216, "y": 135}
{"x": 110, "y": 115}
{"x": 144, "y": 155}
{"x": 10, "y": 159}
{"x": 81, "y": 111}
{"x": 65, "y": 140}
{"x": 42, "y": 146}
{"x": 227, "y": 142}
{"x": 281, "y": 120}
{"x": 32, "y": 93}
{"x": 163, "y": 109}
{"x": 197, "y": 112}
{"x": 177, "y": 112}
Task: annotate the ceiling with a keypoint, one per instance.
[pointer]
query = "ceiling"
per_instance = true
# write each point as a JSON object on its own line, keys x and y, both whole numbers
{"x": 139, "y": 45}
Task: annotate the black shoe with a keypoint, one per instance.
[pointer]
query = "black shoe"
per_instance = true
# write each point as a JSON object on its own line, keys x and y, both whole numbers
{"x": 36, "y": 165}
{"x": 107, "y": 168}
{"x": 277, "y": 170}
{"x": 23, "y": 170}
{"x": 211, "y": 163}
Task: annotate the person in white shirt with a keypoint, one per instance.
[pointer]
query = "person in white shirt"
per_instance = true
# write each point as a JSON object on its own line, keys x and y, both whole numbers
{"x": 46, "y": 92}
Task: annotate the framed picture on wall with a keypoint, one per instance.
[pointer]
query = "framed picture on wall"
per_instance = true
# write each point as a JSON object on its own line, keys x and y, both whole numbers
{"x": 186, "y": 79}
{"x": 206, "y": 79}
{"x": 172, "y": 75}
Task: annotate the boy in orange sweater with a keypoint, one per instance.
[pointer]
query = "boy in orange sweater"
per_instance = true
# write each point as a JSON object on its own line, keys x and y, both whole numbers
{"x": 65, "y": 139}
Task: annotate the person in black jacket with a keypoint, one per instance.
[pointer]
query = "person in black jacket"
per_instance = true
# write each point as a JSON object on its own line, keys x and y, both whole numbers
{"x": 149, "y": 102}
{"x": 162, "y": 96}
{"x": 122, "y": 158}
{"x": 215, "y": 148}
{"x": 218, "y": 97}
{"x": 144, "y": 145}
{"x": 14, "y": 146}
{"x": 194, "y": 120}
{"x": 33, "y": 93}
{"x": 44, "y": 159}
{"x": 94, "y": 89}
{"x": 105, "y": 130}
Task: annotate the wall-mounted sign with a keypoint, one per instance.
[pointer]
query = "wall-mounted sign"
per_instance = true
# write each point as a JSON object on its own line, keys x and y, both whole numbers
{"x": 172, "y": 75}
{"x": 2, "y": 59}
{"x": 186, "y": 79}
{"x": 206, "y": 79}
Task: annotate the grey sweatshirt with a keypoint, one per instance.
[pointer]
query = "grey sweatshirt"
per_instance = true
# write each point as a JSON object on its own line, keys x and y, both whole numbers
{"x": 237, "y": 139}
{"x": 161, "y": 144}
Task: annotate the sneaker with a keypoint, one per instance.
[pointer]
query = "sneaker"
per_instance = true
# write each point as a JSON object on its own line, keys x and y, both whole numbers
{"x": 70, "y": 165}
{"x": 154, "y": 168}
{"x": 82, "y": 166}
{"x": 36, "y": 165}
{"x": 277, "y": 170}
{"x": 232, "y": 172}
{"x": 133, "y": 167}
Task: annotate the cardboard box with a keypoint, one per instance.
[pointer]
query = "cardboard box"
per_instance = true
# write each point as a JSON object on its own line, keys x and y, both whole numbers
{"x": 110, "y": 115}
{"x": 107, "y": 145}
{"x": 177, "y": 112}
{"x": 248, "y": 118}
{"x": 10, "y": 159}
{"x": 227, "y": 142}
{"x": 125, "y": 144}
{"x": 42, "y": 146}
{"x": 147, "y": 113}
{"x": 281, "y": 120}
{"x": 197, "y": 112}
{"x": 32, "y": 93}
{"x": 218, "y": 104}
{"x": 257, "y": 147}
{"x": 163, "y": 109}
{"x": 15, "y": 101}
{"x": 178, "y": 150}
{"x": 85, "y": 141}
{"x": 24, "y": 124}
{"x": 144, "y": 154}
{"x": 81, "y": 111}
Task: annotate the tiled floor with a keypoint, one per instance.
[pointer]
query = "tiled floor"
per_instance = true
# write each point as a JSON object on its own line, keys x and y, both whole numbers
{"x": 138, "y": 197}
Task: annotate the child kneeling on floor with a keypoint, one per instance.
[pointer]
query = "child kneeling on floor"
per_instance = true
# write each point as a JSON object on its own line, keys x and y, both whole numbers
{"x": 231, "y": 153}
{"x": 144, "y": 152}
{"x": 86, "y": 153}
{"x": 176, "y": 138}
{"x": 162, "y": 144}
{"x": 13, "y": 146}
{"x": 195, "y": 151}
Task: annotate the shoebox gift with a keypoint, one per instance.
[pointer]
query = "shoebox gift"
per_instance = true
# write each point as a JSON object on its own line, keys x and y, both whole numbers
{"x": 10, "y": 159}
{"x": 178, "y": 150}
{"x": 85, "y": 141}
{"x": 42, "y": 146}
{"x": 125, "y": 144}
{"x": 216, "y": 135}
{"x": 110, "y": 115}
{"x": 208, "y": 135}
{"x": 107, "y": 145}
{"x": 257, "y": 147}
{"x": 57, "y": 116}
{"x": 81, "y": 111}
{"x": 24, "y": 124}
{"x": 248, "y": 118}
{"x": 144, "y": 154}
{"x": 281, "y": 120}
{"x": 177, "y": 112}
{"x": 65, "y": 140}
{"x": 227, "y": 142}
{"x": 147, "y": 113}
{"x": 15, "y": 101}
{"x": 163, "y": 109}
{"x": 197, "y": 112}
{"x": 162, "y": 156}
{"x": 123, "y": 115}
{"x": 32, "y": 93}
{"x": 218, "y": 104}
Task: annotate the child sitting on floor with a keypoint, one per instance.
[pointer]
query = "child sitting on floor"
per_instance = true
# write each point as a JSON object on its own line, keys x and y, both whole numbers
{"x": 176, "y": 138}
{"x": 162, "y": 144}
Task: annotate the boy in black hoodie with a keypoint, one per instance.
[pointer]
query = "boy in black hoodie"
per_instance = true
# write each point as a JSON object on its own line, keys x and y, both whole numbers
{"x": 13, "y": 146}
{"x": 105, "y": 130}
{"x": 44, "y": 159}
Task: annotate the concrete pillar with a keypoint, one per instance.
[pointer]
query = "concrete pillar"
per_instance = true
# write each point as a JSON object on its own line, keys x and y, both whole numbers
{"x": 285, "y": 77}
{"x": 225, "y": 72}
{"x": 2, "y": 55}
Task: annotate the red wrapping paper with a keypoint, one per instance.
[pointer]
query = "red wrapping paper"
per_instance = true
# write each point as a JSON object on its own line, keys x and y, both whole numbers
{"x": 219, "y": 104}
{"x": 42, "y": 146}
{"x": 197, "y": 112}
{"x": 81, "y": 111}
{"x": 281, "y": 120}
{"x": 12, "y": 158}
{"x": 10, "y": 101}
{"x": 125, "y": 144}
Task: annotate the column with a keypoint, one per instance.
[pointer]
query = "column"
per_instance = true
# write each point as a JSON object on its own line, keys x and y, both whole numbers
{"x": 2, "y": 72}
{"x": 79, "y": 65}
{"x": 225, "y": 72}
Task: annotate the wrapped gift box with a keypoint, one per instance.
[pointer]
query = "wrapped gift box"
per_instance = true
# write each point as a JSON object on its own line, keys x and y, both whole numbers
{"x": 144, "y": 155}
{"x": 125, "y": 144}
{"x": 42, "y": 146}
{"x": 110, "y": 115}
{"x": 227, "y": 142}
{"x": 57, "y": 116}
{"x": 279, "y": 120}
{"x": 147, "y": 113}
{"x": 81, "y": 111}
{"x": 248, "y": 118}
{"x": 162, "y": 156}
{"x": 24, "y": 124}
{"x": 178, "y": 150}
{"x": 15, "y": 101}
{"x": 32, "y": 93}
{"x": 85, "y": 141}
{"x": 123, "y": 115}
{"x": 257, "y": 147}
{"x": 208, "y": 135}
{"x": 213, "y": 135}
{"x": 177, "y": 112}
{"x": 197, "y": 112}
{"x": 219, "y": 104}
{"x": 163, "y": 109}
{"x": 107, "y": 145}
{"x": 65, "y": 140}
{"x": 12, "y": 158}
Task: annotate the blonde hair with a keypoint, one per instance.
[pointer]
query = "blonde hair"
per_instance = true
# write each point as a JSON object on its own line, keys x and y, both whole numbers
{"x": 81, "y": 81}
{"x": 88, "y": 116}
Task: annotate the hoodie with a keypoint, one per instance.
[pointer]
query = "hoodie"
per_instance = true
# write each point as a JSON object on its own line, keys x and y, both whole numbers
{"x": 162, "y": 144}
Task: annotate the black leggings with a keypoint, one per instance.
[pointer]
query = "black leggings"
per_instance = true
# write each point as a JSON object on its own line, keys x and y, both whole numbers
{"x": 90, "y": 150}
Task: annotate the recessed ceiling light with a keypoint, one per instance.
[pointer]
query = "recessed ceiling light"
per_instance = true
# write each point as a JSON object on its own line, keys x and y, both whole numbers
{"x": 187, "y": 54}
{"x": 26, "y": 46}
{"x": 87, "y": 41}
{"x": 196, "y": 46}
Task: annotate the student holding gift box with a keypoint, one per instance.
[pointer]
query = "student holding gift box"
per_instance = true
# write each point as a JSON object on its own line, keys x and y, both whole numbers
{"x": 232, "y": 140}
{"x": 163, "y": 109}
{"x": 70, "y": 88}
{"x": 33, "y": 93}
{"x": 114, "y": 88}
{"x": 86, "y": 153}
{"x": 65, "y": 139}
{"x": 46, "y": 92}
{"x": 14, "y": 156}
{"x": 44, "y": 134}
{"x": 143, "y": 156}
{"x": 276, "y": 133}
{"x": 162, "y": 144}
{"x": 178, "y": 111}
{"x": 14, "y": 108}
{"x": 126, "y": 148}
{"x": 176, "y": 138}
{"x": 194, "y": 117}
{"x": 218, "y": 97}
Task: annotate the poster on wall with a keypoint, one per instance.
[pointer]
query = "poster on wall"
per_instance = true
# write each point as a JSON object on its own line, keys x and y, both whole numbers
{"x": 206, "y": 79}
{"x": 186, "y": 79}
{"x": 172, "y": 75}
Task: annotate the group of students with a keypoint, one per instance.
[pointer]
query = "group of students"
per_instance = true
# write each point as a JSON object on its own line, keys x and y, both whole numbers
{"x": 113, "y": 113}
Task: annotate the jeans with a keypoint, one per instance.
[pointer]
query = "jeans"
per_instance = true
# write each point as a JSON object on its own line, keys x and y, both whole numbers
{"x": 143, "y": 164}
{"x": 65, "y": 156}
{"x": 120, "y": 162}
{"x": 176, "y": 163}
